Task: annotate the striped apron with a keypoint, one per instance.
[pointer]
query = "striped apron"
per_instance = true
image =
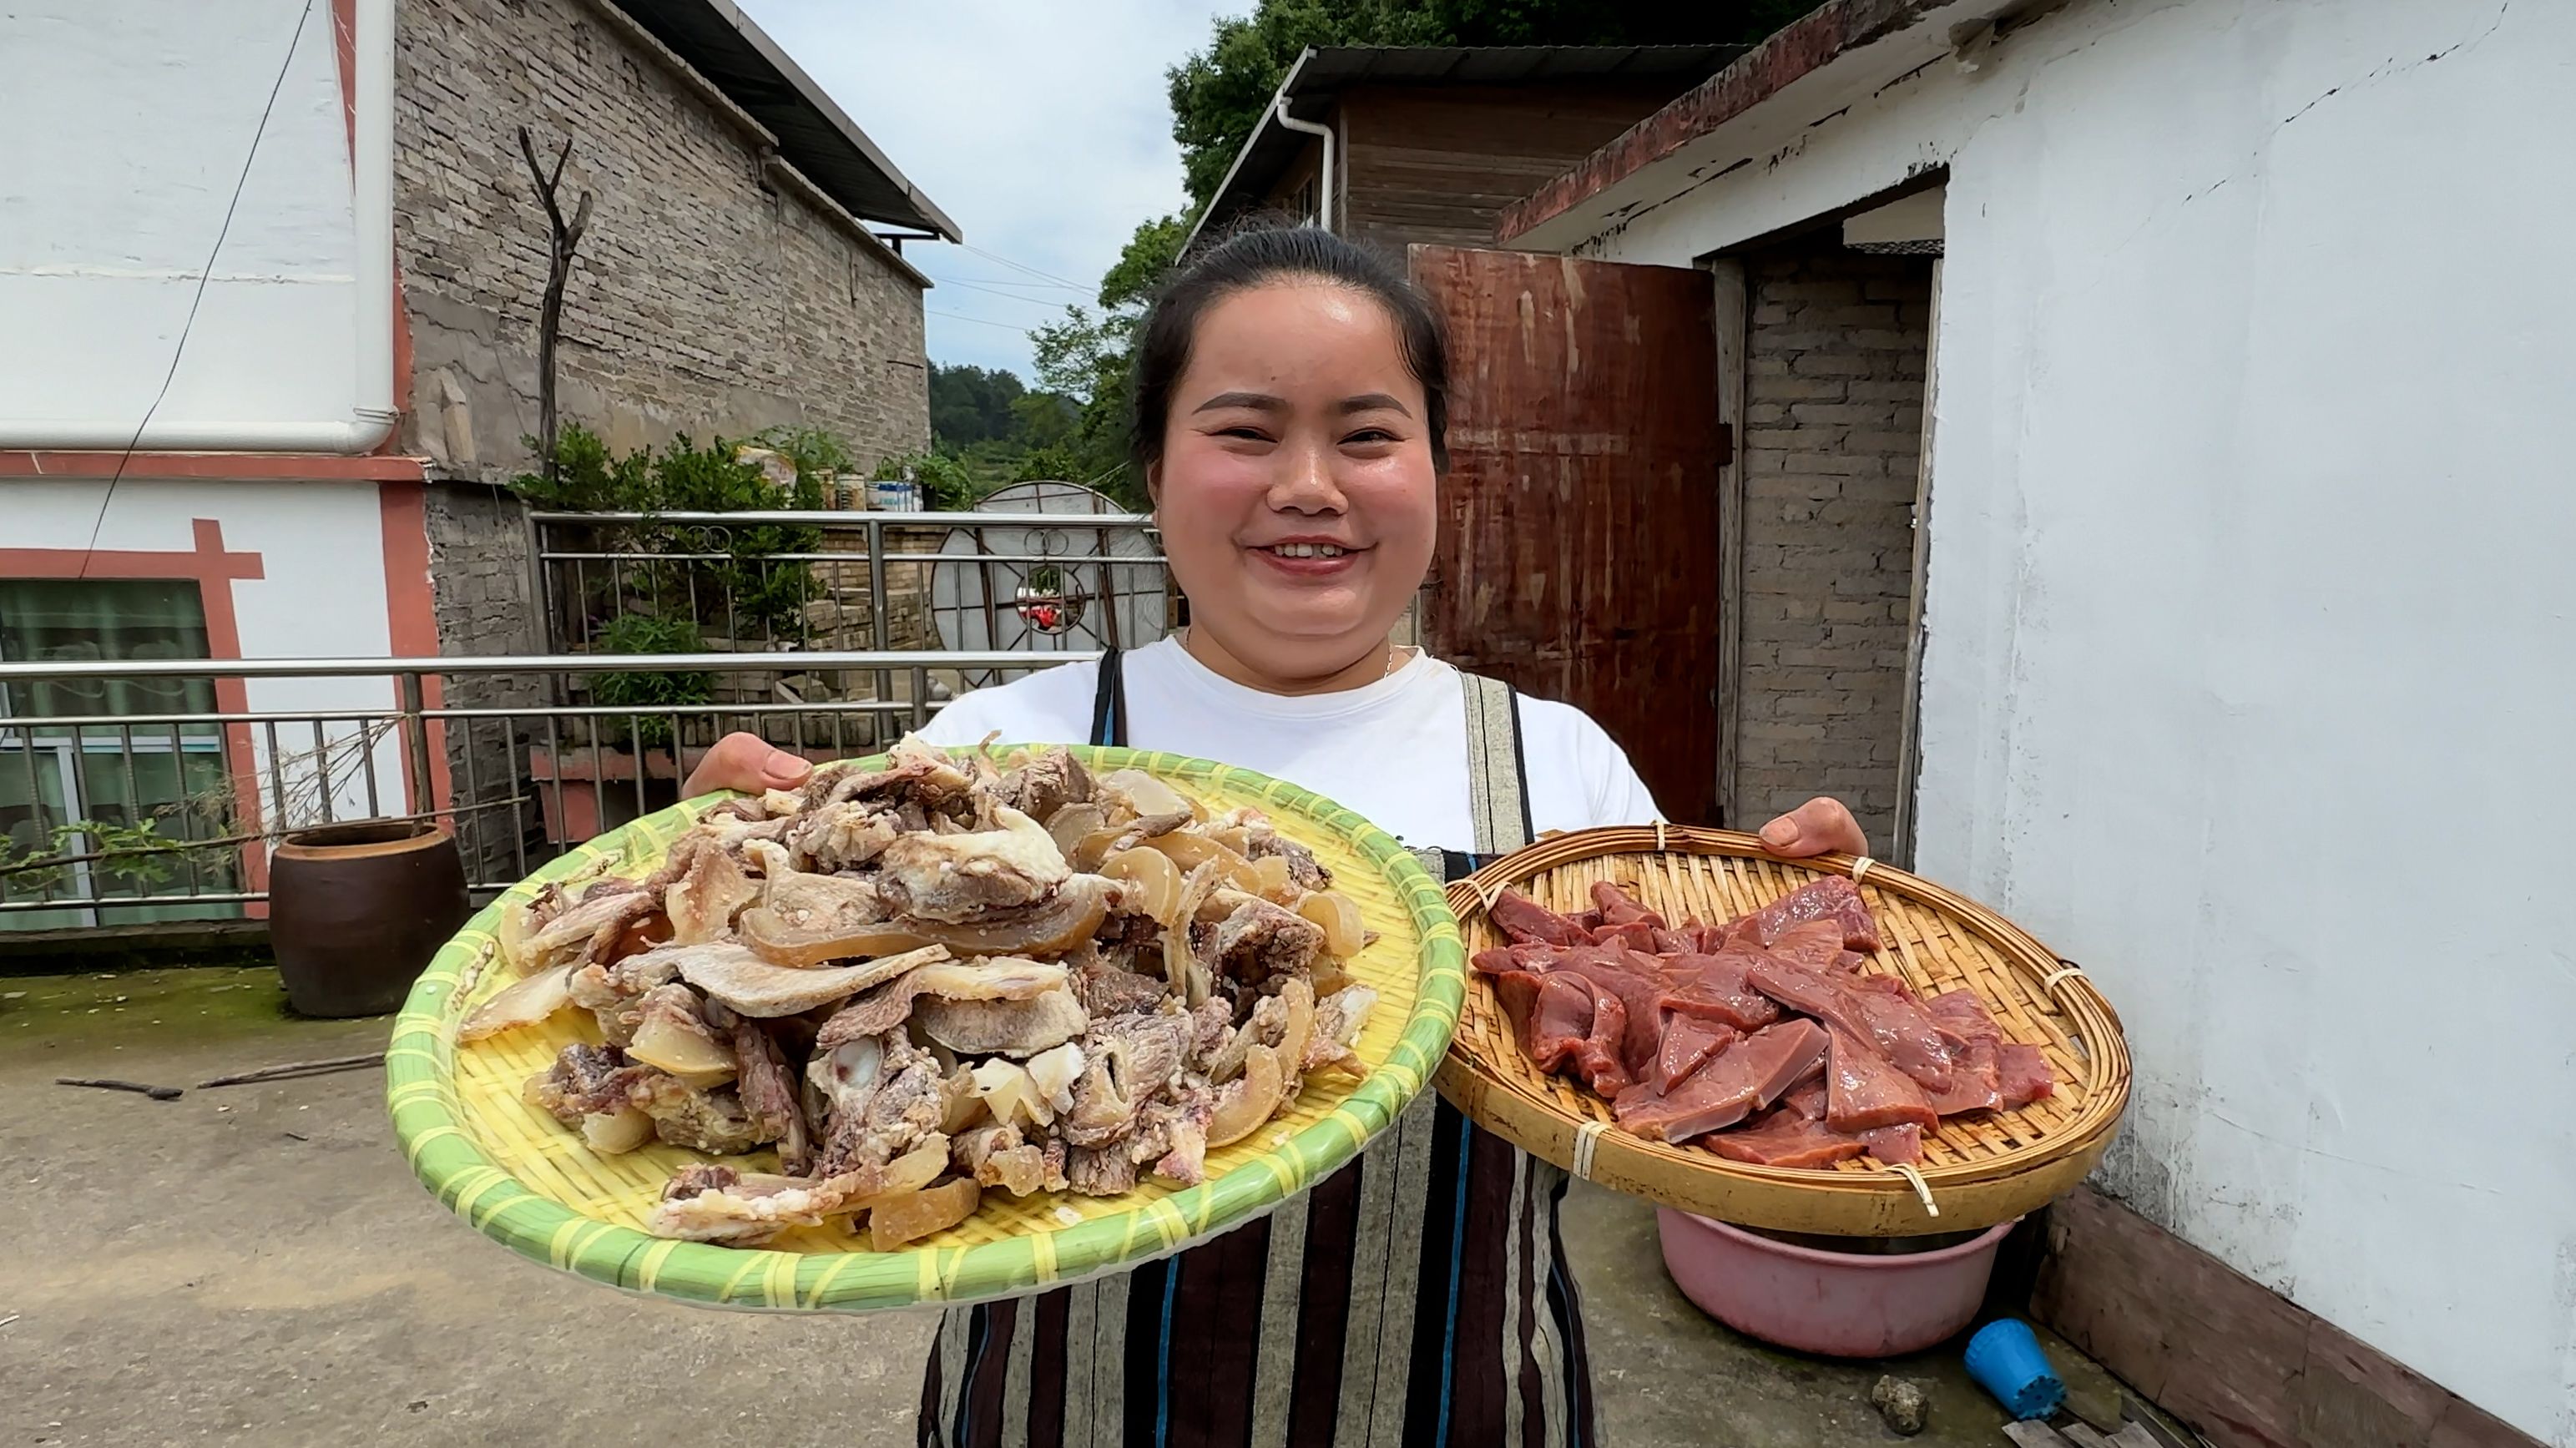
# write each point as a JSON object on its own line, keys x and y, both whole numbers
{"x": 1419, "y": 1296}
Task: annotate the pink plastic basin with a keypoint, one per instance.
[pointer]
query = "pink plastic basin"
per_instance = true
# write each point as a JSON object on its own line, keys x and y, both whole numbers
{"x": 1838, "y": 1304}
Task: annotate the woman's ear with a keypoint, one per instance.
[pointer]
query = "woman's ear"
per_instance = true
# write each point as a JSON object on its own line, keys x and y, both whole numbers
{"x": 1154, "y": 485}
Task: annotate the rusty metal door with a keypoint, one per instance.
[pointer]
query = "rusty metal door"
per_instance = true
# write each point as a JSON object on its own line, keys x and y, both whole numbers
{"x": 1578, "y": 553}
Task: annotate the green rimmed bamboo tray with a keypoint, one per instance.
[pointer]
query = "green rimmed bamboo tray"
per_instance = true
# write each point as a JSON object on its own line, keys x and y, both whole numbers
{"x": 518, "y": 1177}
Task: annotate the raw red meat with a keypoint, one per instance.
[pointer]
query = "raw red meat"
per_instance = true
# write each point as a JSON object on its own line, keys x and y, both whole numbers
{"x": 1742, "y": 1079}
{"x": 1785, "y": 1138}
{"x": 1634, "y": 935}
{"x": 1974, "y": 1083}
{"x": 1688, "y": 1043}
{"x": 1619, "y": 908}
{"x": 1892, "y": 1023}
{"x": 1524, "y": 919}
{"x": 1864, "y": 1090}
{"x": 1895, "y": 1145}
{"x": 1814, "y": 945}
{"x": 1676, "y": 942}
{"x": 1707, "y": 938}
{"x": 1714, "y": 987}
{"x": 1637, "y": 980}
{"x": 1807, "y": 1098}
{"x": 2024, "y": 1076}
{"x": 1831, "y": 898}
{"x": 1961, "y": 1017}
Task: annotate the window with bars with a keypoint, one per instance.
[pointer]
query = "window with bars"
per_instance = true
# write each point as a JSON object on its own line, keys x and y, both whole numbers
{"x": 113, "y": 751}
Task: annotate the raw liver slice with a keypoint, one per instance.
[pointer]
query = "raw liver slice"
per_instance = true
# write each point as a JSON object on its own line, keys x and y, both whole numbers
{"x": 1892, "y": 1023}
{"x": 1638, "y": 983}
{"x": 1785, "y": 1138}
{"x": 1815, "y": 945}
{"x": 1974, "y": 1082}
{"x": 1832, "y": 898}
{"x": 1524, "y": 919}
{"x": 1742, "y": 1079}
{"x": 1865, "y": 1091}
{"x": 1895, "y": 1145}
{"x": 1687, "y": 1045}
{"x": 2024, "y": 1074}
{"x": 1714, "y": 987}
{"x": 1617, "y": 907}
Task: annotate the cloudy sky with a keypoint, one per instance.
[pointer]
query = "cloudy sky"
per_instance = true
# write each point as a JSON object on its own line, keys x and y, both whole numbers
{"x": 1039, "y": 126}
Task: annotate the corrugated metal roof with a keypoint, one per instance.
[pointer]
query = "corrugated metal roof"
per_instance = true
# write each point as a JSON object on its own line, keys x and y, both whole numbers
{"x": 814, "y": 134}
{"x": 1322, "y": 72}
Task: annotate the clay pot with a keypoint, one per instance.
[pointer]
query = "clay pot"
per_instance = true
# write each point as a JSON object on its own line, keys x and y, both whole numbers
{"x": 355, "y": 912}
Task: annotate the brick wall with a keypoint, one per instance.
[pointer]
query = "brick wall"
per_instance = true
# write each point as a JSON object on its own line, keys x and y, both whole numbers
{"x": 699, "y": 301}
{"x": 1833, "y": 430}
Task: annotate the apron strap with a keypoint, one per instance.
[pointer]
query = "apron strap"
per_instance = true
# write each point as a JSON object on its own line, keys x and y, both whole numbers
{"x": 1497, "y": 780}
{"x": 1109, "y": 703}
{"x": 1497, "y": 770}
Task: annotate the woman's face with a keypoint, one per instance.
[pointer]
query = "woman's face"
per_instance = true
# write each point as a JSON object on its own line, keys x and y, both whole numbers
{"x": 1296, "y": 485}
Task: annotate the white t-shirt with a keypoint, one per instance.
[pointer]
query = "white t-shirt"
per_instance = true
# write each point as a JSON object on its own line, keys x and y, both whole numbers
{"x": 1395, "y": 751}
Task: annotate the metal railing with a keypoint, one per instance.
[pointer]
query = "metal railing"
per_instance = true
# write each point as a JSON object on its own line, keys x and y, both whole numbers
{"x": 754, "y": 582}
{"x": 479, "y": 744}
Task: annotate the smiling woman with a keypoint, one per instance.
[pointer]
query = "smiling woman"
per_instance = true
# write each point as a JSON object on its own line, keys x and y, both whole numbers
{"x": 1291, "y": 403}
{"x": 1297, "y": 485}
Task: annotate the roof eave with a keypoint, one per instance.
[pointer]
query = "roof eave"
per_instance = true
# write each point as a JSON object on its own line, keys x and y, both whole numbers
{"x": 1269, "y": 118}
{"x": 830, "y": 110}
{"x": 1588, "y": 196}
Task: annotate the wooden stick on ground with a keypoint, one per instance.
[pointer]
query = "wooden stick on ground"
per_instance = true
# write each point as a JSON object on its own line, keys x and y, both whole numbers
{"x": 297, "y": 1068}
{"x": 157, "y": 1093}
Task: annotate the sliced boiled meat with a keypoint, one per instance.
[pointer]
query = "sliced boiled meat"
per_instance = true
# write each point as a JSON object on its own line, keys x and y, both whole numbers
{"x": 1688, "y": 1042}
{"x": 1618, "y": 907}
{"x": 1740, "y": 1080}
{"x": 1831, "y": 898}
{"x": 1895, "y": 1145}
{"x": 1716, "y": 988}
{"x": 1524, "y": 919}
{"x": 1893, "y": 1024}
{"x": 1785, "y": 1138}
{"x": 2024, "y": 1074}
{"x": 1864, "y": 1090}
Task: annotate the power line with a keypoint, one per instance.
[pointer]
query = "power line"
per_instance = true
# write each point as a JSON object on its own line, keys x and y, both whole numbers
{"x": 979, "y": 321}
{"x": 1007, "y": 282}
{"x": 1006, "y": 296}
{"x": 204, "y": 274}
{"x": 1019, "y": 267}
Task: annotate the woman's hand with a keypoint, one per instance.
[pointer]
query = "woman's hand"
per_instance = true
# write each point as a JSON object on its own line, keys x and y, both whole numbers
{"x": 1818, "y": 827}
{"x": 745, "y": 762}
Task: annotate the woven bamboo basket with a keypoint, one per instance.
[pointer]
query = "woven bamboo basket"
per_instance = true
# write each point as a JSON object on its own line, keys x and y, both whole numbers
{"x": 515, "y": 1175}
{"x": 1977, "y": 1170}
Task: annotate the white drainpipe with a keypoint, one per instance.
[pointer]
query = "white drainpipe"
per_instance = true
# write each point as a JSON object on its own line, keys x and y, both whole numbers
{"x": 1324, "y": 196}
{"x": 372, "y": 188}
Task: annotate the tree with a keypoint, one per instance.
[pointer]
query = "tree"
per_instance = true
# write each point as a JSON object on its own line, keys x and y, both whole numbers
{"x": 1220, "y": 93}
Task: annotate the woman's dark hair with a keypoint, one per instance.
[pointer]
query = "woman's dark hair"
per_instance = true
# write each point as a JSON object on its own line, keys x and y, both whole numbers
{"x": 1263, "y": 254}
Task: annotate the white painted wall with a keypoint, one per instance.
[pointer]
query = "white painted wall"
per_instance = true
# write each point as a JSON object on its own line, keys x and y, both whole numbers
{"x": 2251, "y": 676}
{"x": 322, "y": 593}
{"x": 126, "y": 124}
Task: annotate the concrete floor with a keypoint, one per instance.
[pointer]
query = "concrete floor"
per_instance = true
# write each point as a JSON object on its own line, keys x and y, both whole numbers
{"x": 256, "y": 1264}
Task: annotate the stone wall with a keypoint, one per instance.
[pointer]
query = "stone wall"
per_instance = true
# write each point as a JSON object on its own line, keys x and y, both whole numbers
{"x": 478, "y": 566}
{"x": 1833, "y": 423}
{"x": 700, "y": 300}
